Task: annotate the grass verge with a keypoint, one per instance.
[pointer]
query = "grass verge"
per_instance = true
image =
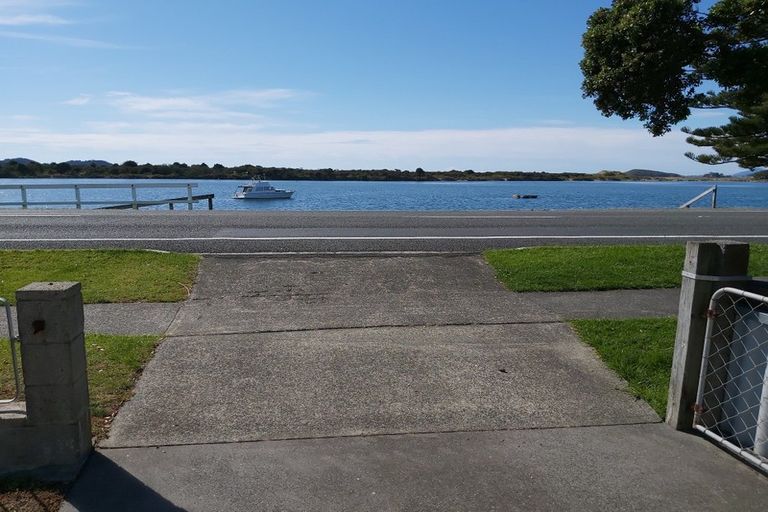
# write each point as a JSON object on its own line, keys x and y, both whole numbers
{"x": 638, "y": 350}
{"x": 105, "y": 275}
{"x": 606, "y": 267}
{"x": 114, "y": 364}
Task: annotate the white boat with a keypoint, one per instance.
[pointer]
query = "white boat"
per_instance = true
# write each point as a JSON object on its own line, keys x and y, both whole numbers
{"x": 258, "y": 189}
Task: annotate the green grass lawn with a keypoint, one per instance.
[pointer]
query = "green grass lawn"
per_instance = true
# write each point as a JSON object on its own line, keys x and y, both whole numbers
{"x": 106, "y": 275}
{"x": 607, "y": 267}
{"x": 639, "y": 350}
{"x": 114, "y": 364}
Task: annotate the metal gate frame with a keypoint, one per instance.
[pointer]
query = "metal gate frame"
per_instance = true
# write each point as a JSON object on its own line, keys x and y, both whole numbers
{"x": 12, "y": 340}
{"x": 717, "y": 378}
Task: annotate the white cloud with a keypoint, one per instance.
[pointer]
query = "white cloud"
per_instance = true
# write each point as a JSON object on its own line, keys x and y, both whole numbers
{"x": 256, "y": 98}
{"x": 235, "y": 104}
{"x": 556, "y": 122}
{"x": 82, "y": 99}
{"x": 524, "y": 148}
{"x": 61, "y": 40}
{"x": 39, "y": 15}
{"x": 232, "y": 127}
{"x": 148, "y": 104}
{"x": 34, "y": 4}
{"x": 20, "y": 13}
{"x": 24, "y": 118}
{"x": 32, "y": 19}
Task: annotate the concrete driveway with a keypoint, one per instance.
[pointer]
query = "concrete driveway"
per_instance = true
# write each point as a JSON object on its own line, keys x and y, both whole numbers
{"x": 400, "y": 383}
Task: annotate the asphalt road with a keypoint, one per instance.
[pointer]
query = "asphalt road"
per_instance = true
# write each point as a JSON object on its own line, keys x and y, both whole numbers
{"x": 333, "y": 232}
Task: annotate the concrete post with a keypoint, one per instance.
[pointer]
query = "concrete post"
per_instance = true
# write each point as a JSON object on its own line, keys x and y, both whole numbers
{"x": 54, "y": 438}
{"x": 706, "y": 264}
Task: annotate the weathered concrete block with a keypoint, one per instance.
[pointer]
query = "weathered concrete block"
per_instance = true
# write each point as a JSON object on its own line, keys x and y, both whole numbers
{"x": 54, "y": 363}
{"x": 53, "y": 452}
{"x": 53, "y": 438}
{"x": 49, "y": 312}
{"x": 57, "y": 403}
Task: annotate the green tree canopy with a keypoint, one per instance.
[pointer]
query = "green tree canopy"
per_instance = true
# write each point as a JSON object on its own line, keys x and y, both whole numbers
{"x": 649, "y": 59}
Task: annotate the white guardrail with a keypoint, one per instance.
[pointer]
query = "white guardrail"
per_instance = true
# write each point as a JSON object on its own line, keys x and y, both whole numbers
{"x": 78, "y": 202}
{"x": 712, "y": 190}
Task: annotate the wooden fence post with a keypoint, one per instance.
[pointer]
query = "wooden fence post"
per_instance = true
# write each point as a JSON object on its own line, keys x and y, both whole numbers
{"x": 708, "y": 267}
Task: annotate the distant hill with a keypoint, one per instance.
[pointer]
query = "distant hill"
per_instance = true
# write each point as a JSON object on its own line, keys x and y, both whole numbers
{"x": 89, "y": 163}
{"x": 24, "y": 161}
{"x": 647, "y": 173}
{"x": 77, "y": 163}
{"x": 743, "y": 174}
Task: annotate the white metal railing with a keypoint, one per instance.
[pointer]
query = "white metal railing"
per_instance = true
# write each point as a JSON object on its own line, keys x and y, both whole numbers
{"x": 732, "y": 399}
{"x": 12, "y": 339}
{"x": 712, "y": 190}
{"x": 78, "y": 202}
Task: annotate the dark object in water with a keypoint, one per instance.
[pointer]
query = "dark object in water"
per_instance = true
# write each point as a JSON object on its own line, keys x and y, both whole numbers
{"x": 524, "y": 196}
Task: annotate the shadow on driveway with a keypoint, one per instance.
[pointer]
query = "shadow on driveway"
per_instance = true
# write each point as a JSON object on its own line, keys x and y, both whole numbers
{"x": 103, "y": 485}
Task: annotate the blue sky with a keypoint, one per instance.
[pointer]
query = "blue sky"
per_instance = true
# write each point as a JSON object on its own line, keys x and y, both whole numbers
{"x": 438, "y": 84}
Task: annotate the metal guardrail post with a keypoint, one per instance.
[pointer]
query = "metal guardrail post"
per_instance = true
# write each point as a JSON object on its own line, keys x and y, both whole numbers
{"x": 12, "y": 340}
{"x": 77, "y": 197}
{"x": 134, "y": 205}
{"x": 23, "y": 197}
{"x": 189, "y": 195}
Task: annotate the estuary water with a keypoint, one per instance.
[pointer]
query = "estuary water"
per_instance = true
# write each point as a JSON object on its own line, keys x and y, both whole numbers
{"x": 366, "y": 195}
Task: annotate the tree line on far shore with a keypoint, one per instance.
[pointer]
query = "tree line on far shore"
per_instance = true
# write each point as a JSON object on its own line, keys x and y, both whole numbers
{"x": 24, "y": 168}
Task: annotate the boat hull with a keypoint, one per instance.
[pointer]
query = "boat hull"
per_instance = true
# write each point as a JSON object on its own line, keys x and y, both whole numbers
{"x": 283, "y": 194}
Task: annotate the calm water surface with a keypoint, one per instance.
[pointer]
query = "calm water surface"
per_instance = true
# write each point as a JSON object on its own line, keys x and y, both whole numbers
{"x": 496, "y": 195}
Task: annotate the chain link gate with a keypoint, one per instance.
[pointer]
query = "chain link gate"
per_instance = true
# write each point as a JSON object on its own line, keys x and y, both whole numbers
{"x": 732, "y": 399}
{"x": 12, "y": 341}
